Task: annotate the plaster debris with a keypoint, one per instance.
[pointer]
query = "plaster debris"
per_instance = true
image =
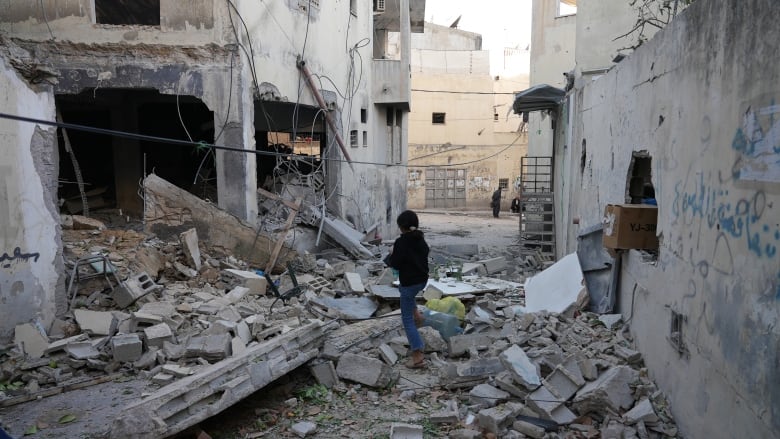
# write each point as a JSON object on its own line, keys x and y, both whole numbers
{"x": 560, "y": 288}
{"x": 189, "y": 245}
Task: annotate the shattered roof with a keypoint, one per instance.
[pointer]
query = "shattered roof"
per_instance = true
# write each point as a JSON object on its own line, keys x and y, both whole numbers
{"x": 537, "y": 98}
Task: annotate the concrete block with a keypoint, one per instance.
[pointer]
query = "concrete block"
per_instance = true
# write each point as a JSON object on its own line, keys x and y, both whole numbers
{"x": 494, "y": 265}
{"x": 257, "y": 284}
{"x": 209, "y": 347}
{"x": 473, "y": 269}
{"x": 157, "y": 334}
{"x": 189, "y": 245}
{"x": 629, "y": 355}
{"x": 444, "y": 417}
{"x": 237, "y": 346}
{"x": 642, "y": 411}
{"x": 31, "y": 339}
{"x": 495, "y": 419}
{"x": 388, "y": 354}
{"x": 243, "y": 332}
{"x": 486, "y": 395}
{"x": 565, "y": 379}
{"x": 364, "y": 370}
{"x": 506, "y": 382}
{"x": 460, "y": 344}
{"x": 82, "y": 350}
{"x": 354, "y": 282}
{"x": 432, "y": 339}
{"x": 611, "y": 389}
{"x": 523, "y": 370}
{"x": 529, "y": 429}
{"x": 161, "y": 309}
{"x": 147, "y": 360}
{"x": 132, "y": 289}
{"x": 325, "y": 373}
{"x": 173, "y": 351}
{"x": 127, "y": 347}
{"x": 236, "y": 294}
{"x": 95, "y": 322}
{"x": 588, "y": 369}
{"x": 303, "y": 429}
{"x": 400, "y": 430}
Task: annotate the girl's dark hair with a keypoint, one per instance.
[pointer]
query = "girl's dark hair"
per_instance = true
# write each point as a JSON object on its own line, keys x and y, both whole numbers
{"x": 409, "y": 222}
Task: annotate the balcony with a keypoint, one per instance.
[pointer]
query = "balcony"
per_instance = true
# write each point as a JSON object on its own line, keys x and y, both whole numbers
{"x": 391, "y": 84}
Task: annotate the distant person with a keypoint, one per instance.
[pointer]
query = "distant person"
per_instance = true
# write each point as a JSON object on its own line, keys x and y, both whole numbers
{"x": 515, "y": 207}
{"x": 648, "y": 195}
{"x": 495, "y": 202}
{"x": 410, "y": 257}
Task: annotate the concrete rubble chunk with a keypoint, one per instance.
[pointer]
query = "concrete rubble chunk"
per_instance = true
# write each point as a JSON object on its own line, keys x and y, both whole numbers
{"x": 157, "y": 334}
{"x": 400, "y": 430}
{"x": 364, "y": 370}
{"x": 236, "y": 294}
{"x": 248, "y": 279}
{"x": 388, "y": 354}
{"x": 346, "y": 236}
{"x": 83, "y": 223}
{"x": 31, "y": 339}
{"x": 325, "y": 373}
{"x": 60, "y": 344}
{"x": 610, "y": 320}
{"x": 559, "y": 289}
{"x": 444, "y": 417}
{"x": 529, "y": 429}
{"x": 176, "y": 370}
{"x": 611, "y": 390}
{"x": 348, "y": 307}
{"x": 160, "y": 309}
{"x": 642, "y": 411}
{"x": 496, "y": 419}
{"x": 588, "y": 369}
{"x": 354, "y": 282}
{"x": 465, "y": 433}
{"x": 209, "y": 347}
{"x": 189, "y": 245}
{"x": 486, "y": 395}
{"x": 460, "y": 344}
{"x": 523, "y": 370}
{"x": 303, "y": 429}
{"x": 432, "y": 339}
{"x": 132, "y": 289}
{"x": 629, "y": 355}
{"x": 480, "y": 367}
{"x": 494, "y": 265}
{"x": 126, "y": 347}
{"x": 82, "y": 350}
{"x": 96, "y": 322}
{"x": 162, "y": 379}
{"x": 237, "y": 346}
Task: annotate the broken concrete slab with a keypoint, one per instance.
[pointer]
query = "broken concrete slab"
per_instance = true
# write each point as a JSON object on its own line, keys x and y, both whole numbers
{"x": 432, "y": 339}
{"x": 346, "y": 236}
{"x": 460, "y": 344}
{"x": 354, "y": 282}
{"x": 496, "y": 419}
{"x": 189, "y": 245}
{"x": 82, "y": 350}
{"x": 95, "y": 322}
{"x": 485, "y": 395}
{"x": 325, "y": 373}
{"x": 386, "y": 292}
{"x": 528, "y": 429}
{"x": 347, "y": 336}
{"x": 400, "y": 430}
{"x": 60, "y": 344}
{"x": 157, "y": 334}
{"x": 356, "y": 308}
{"x": 31, "y": 339}
{"x": 169, "y": 210}
{"x": 216, "y": 387}
{"x": 83, "y": 223}
{"x": 611, "y": 390}
{"x": 303, "y": 429}
{"x": 520, "y": 366}
{"x": 559, "y": 289}
{"x": 388, "y": 354}
{"x": 210, "y": 347}
{"x": 126, "y": 347}
{"x": 364, "y": 370}
{"x": 493, "y": 265}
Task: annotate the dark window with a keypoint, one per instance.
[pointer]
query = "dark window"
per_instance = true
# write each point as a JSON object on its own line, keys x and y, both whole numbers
{"x": 389, "y": 117}
{"x": 363, "y": 115}
{"x": 365, "y": 139}
{"x": 438, "y": 118}
{"x": 353, "y": 138}
{"x": 399, "y": 117}
{"x": 503, "y": 183}
{"x": 128, "y": 12}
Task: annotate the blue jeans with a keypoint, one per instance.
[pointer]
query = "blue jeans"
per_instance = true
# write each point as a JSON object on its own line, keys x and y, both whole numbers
{"x": 408, "y": 305}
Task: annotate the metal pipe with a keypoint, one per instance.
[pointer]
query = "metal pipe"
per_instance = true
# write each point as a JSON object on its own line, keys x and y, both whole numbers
{"x": 318, "y": 96}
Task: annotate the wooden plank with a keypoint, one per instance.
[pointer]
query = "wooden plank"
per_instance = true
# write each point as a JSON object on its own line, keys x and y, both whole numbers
{"x": 280, "y": 239}
{"x": 276, "y": 197}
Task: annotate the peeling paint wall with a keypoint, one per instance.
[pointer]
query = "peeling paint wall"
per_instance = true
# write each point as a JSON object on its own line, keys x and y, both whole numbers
{"x": 701, "y": 98}
{"x": 31, "y": 285}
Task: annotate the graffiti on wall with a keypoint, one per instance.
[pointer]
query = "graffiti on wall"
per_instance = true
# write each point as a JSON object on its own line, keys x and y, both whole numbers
{"x": 17, "y": 257}
{"x": 757, "y": 142}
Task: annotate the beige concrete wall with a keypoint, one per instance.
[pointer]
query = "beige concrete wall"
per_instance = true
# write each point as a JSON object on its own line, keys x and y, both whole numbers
{"x": 552, "y": 53}
{"x": 31, "y": 288}
{"x": 599, "y": 24}
{"x": 701, "y": 99}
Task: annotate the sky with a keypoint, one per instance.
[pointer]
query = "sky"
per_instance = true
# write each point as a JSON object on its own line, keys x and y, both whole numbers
{"x": 502, "y": 23}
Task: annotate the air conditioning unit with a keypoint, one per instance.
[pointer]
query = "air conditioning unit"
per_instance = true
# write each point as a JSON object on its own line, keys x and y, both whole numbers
{"x": 379, "y": 5}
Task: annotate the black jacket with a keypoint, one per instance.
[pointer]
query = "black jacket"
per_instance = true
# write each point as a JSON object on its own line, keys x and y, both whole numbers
{"x": 410, "y": 258}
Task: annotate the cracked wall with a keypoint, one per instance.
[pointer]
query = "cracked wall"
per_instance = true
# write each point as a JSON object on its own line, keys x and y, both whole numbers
{"x": 31, "y": 271}
{"x": 701, "y": 99}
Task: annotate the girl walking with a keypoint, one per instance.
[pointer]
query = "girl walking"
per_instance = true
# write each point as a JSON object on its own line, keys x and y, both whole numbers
{"x": 410, "y": 258}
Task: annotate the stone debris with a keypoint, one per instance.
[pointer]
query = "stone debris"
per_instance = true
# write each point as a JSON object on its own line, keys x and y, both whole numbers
{"x": 405, "y": 431}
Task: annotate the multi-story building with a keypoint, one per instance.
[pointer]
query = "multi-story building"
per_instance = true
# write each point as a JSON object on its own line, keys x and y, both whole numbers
{"x": 258, "y": 77}
{"x": 463, "y": 143}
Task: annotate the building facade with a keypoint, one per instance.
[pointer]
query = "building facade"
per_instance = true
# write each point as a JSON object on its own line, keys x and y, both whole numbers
{"x": 463, "y": 143}
{"x": 257, "y": 78}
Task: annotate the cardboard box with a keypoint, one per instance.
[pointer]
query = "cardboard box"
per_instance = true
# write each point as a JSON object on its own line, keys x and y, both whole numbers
{"x": 628, "y": 226}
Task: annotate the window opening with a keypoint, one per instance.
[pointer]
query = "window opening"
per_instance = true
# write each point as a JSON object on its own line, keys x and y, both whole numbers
{"x": 503, "y": 183}
{"x": 399, "y": 117}
{"x": 365, "y": 139}
{"x": 363, "y": 115}
{"x": 125, "y": 12}
{"x": 389, "y": 117}
{"x": 353, "y": 138}
{"x": 438, "y": 118}
{"x": 567, "y": 7}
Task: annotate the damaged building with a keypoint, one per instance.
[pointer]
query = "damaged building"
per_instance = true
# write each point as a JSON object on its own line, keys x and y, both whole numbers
{"x": 227, "y": 100}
